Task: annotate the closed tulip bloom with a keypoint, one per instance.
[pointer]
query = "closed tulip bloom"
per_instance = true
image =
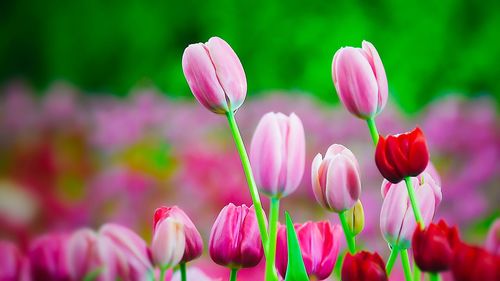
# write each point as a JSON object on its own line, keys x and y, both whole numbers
{"x": 471, "y": 263}
{"x": 433, "y": 246}
{"x": 14, "y": 266}
{"x": 492, "y": 243}
{"x": 335, "y": 179}
{"x": 356, "y": 218}
{"x": 215, "y": 75}
{"x": 359, "y": 78}
{"x": 400, "y": 156}
{"x": 235, "y": 239}
{"x": 424, "y": 178}
{"x": 47, "y": 256}
{"x": 277, "y": 154}
{"x": 363, "y": 266}
{"x": 397, "y": 221}
{"x": 168, "y": 243}
{"x": 319, "y": 243}
{"x": 194, "y": 243}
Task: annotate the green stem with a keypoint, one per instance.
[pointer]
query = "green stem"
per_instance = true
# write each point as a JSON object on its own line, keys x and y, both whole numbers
{"x": 416, "y": 272}
{"x": 434, "y": 276}
{"x": 351, "y": 243}
{"x": 414, "y": 203}
{"x": 182, "y": 267}
{"x": 162, "y": 273}
{"x": 373, "y": 130}
{"x": 391, "y": 260}
{"x": 261, "y": 218}
{"x": 405, "y": 261}
{"x": 234, "y": 272}
{"x": 273, "y": 233}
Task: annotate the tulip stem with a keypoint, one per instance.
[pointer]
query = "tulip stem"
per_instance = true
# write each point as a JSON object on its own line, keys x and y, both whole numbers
{"x": 405, "y": 261}
{"x": 351, "y": 243}
{"x": 182, "y": 268}
{"x": 234, "y": 272}
{"x": 390, "y": 262}
{"x": 416, "y": 271}
{"x": 373, "y": 130}
{"x": 261, "y": 218}
{"x": 414, "y": 203}
{"x": 162, "y": 273}
{"x": 274, "y": 211}
{"x": 434, "y": 276}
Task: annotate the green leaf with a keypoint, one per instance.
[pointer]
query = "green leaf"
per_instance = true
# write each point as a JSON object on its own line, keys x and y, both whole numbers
{"x": 296, "y": 270}
{"x": 93, "y": 275}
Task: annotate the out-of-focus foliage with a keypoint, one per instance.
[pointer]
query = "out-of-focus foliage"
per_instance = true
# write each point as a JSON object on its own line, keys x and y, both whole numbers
{"x": 427, "y": 48}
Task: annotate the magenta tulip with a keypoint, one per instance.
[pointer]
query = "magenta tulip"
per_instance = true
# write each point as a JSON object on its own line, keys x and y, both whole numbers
{"x": 492, "y": 243}
{"x": 215, "y": 75}
{"x": 397, "y": 221}
{"x": 14, "y": 266}
{"x": 335, "y": 179}
{"x": 47, "y": 256}
{"x": 235, "y": 240}
{"x": 194, "y": 243}
{"x": 319, "y": 244}
{"x": 360, "y": 80}
{"x": 277, "y": 154}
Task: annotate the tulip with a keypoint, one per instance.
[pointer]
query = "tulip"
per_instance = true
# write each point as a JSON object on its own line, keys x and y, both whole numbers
{"x": 433, "y": 246}
{"x": 397, "y": 221}
{"x": 335, "y": 179}
{"x": 364, "y": 266}
{"x": 401, "y": 156}
{"x": 47, "y": 256}
{"x": 168, "y": 243}
{"x": 359, "y": 78}
{"x": 492, "y": 243}
{"x": 15, "y": 266}
{"x": 356, "y": 218}
{"x": 319, "y": 243}
{"x": 423, "y": 179}
{"x": 215, "y": 75}
{"x": 194, "y": 243}
{"x": 234, "y": 238}
{"x": 277, "y": 154}
{"x": 472, "y": 263}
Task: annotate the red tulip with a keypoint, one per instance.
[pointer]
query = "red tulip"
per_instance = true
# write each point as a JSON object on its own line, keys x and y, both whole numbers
{"x": 471, "y": 263}
{"x": 400, "y": 156}
{"x": 433, "y": 246}
{"x": 363, "y": 266}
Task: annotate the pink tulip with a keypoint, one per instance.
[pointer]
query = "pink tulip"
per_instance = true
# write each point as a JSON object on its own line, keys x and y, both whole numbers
{"x": 47, "y": 255}
{"x": 14, "y": 266}
{"x": 319, "y": 243}
{"x": 215, "y": 75}
{"x": 168, "y": 243}
{"x": 235, "y": 239}
{"x": 277, "y": 154}
{"x": 360, "y": 80}
{"x": 397, "y": 221}
{"x": 194, "y": 243}
{"x": 335, "y": 179}
{"x": 492, "y": 243}
{"x": 423, "y": 179}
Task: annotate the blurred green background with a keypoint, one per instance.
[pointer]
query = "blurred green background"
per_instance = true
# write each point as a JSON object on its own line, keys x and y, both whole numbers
{"x": 428, "y": 47}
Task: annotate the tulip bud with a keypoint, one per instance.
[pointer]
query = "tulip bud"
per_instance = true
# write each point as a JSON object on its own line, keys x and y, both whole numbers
{"x": 472, "y": 263}
{"x": 433, "y": 246}
{"x": 15, "y": 266}
{"x": 215, "y": 75}
{"x": 168, "y": 243}
{"x": 335, "y": 179}
{"x": 363, "y": 266}
{"x": 194, "y": 243}
{"x": 319, "y": 244}
{"x": 356, "y": 218}
{"x": 401, "y": 156}
{"x": 47, "y": 256}
{"x": 397, "y": 221}
{"x": 277, "y": 154}
{"x": 359, "y": 78}
{"x": 235, "y": 239}
{"x": 493, "y": 239}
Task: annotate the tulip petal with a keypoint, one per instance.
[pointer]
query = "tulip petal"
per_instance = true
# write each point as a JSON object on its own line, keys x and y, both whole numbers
{"x": 379, "y": 71}
{"x": 295, "y": 154}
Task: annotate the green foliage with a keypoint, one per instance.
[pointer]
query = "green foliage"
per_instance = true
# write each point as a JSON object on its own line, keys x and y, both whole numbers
{"x": 296, "y": 270}
{"x": 427, "y": 48}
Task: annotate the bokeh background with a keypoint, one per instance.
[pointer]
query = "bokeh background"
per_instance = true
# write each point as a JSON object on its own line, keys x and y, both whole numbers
{"x": 97, "y": 123}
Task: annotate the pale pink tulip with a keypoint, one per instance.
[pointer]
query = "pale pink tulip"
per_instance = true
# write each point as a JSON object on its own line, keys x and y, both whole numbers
{"x": 423, "y": 179}
{"x": 194, "y": 243}
{"x": 277, "y": 154}
{"x": 359, "y": 77}
{"x": 335, "y": 179}
{"x": 168, "y": 243}
{"x": 235, "y": 239}
{"x": 215, "y": 75}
